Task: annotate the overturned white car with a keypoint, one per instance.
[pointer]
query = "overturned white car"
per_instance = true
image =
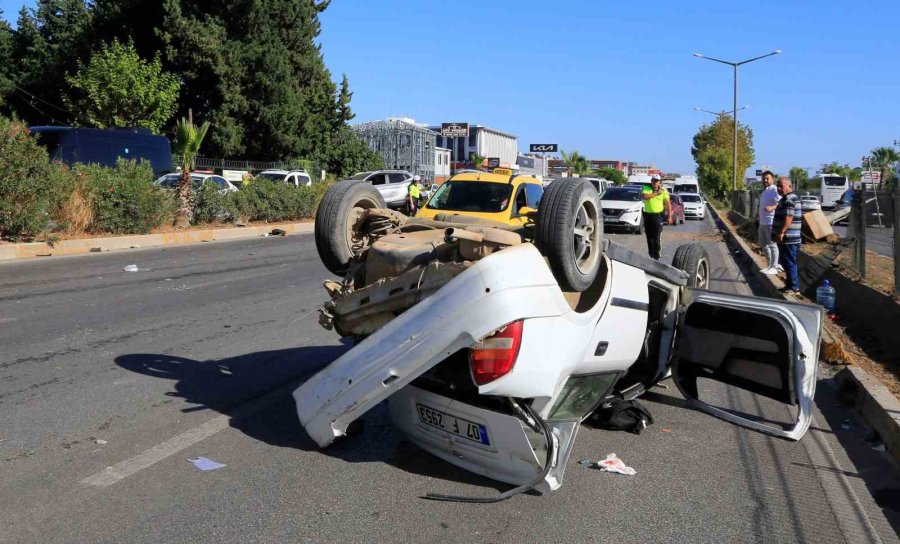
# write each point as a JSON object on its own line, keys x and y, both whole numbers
{"x": 493, "y": 345}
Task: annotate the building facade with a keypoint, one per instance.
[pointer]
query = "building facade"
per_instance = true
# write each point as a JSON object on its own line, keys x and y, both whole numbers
{"x": 402, "y": 143}
{"x": 484, "y": 141}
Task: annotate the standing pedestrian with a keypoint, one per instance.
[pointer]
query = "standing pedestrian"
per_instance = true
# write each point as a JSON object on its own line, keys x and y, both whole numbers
{"x": 412, "y": 196}
{"x": 786, "y": 233}
{"x": 768, "y": 201}
{"x": 656, "y": 200}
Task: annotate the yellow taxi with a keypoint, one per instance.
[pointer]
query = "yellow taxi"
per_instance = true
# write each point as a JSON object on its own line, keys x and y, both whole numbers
{"x": 496, "y": 196}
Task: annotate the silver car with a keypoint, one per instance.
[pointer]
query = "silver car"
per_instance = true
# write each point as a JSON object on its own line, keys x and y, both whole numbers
{"x": 392, "y": 184}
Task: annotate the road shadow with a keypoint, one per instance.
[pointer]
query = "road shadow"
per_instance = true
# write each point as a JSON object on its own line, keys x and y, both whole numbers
{"x": 228, "y": 385}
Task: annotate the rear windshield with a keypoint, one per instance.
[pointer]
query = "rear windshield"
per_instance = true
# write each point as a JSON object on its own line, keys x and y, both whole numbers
{"x": 271, "y": 176}
{"x": 690, "y": 198}
{"x": 835, "y": 181}
{"x": 620, "y": 193}
{"x": 682, "y": 188}
{"x": 361, "y": 175}
{"x": 471, "y": 196}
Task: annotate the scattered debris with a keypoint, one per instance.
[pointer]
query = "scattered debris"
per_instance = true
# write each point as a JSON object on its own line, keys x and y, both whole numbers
{"x": 613, "y": 464}
{"x": 585, "y": 462}
{"x": 666, "y": 430}
{"x": 240, "y": 224}
{"x": 101, "y": 441}
{"x": 206, "y": 464}
{"x": 130, "y": 268}
{"x": 278, "y": 232}
{"x": 96, "y": 250}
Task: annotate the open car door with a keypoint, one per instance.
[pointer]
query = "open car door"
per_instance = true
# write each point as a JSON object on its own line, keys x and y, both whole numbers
{"x": 766, "y": 347}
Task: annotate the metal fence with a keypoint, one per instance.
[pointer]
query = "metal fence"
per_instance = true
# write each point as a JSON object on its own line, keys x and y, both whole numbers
{"x": 252, "y": 166}
{"x": 402, "y": 145}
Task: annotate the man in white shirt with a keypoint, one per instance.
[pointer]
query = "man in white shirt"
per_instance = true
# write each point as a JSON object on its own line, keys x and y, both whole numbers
{"x": 768, "y": 201}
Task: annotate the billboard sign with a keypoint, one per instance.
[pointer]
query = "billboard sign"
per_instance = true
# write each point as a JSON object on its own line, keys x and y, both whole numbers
{"x": 454, "y": 130}
{"x": 543, "y": 148}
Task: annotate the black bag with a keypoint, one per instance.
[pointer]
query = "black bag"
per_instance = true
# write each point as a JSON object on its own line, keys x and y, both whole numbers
{"x": 616, "y": 414}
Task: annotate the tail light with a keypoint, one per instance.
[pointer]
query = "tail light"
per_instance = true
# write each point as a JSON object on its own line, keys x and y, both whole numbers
{"x": 495, "y": 356}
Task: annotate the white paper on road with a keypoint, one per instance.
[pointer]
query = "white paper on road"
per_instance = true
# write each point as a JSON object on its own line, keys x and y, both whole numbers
{"x": 613, "y": 464}
{"x": 130, "y": 268}
{"x": 205, "y": 464}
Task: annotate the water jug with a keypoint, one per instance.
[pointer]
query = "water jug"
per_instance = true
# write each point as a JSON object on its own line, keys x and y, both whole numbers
{"x": 825, "y": 296}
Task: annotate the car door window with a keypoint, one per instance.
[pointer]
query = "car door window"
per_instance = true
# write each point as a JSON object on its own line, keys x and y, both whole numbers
{"x": 521, "y": 200}
{"x": 533, "y": 194}
{"x": 397, "y": 178}
{"x": 378, "y": 179}
{"x": 753, "y": 345}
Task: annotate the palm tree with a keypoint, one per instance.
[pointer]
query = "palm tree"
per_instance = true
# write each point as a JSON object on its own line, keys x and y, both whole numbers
{"x": 188, "y": 139}
{"x": 884, "y": 158}
{"x": 570, "y": 160}
{"x": 582, "y": 166}
{"x": 477, "y": 160}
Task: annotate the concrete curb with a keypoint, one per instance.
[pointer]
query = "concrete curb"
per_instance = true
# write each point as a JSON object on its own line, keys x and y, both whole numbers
{"x": 878, "y": 407}
{"x": 10, "y": 252}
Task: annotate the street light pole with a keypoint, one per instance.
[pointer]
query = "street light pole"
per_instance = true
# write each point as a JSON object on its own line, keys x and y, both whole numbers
{"x": 735, "y": 66}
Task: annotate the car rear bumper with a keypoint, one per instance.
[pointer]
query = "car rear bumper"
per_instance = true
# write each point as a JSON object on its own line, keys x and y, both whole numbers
{"x": 508, "y": 457}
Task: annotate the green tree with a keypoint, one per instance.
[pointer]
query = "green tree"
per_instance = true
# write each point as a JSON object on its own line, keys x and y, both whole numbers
{"x": 117, "y": 88}
{"x": 611, "y": 174}
{"x": 347, "y": 154}
{"x": 7, "y": 72}
{"x": 852, "y": 174}
{"x": 570, "y": 160}
{"x": 48, "y": 42}
{"x": 713, "y": 152}
{"x": 582, "y": 166}
{"x": 188, "y": 139}
{"x": 885, "y": 158}
{"x": 799, "y": 178}
{"x": 477, "y": 160}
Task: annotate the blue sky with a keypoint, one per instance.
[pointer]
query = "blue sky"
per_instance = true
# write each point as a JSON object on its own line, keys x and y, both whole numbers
{"x": 618, "y": 81}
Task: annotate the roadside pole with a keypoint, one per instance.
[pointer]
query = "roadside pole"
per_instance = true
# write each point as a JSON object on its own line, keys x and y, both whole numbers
{"x": 858, "y": 224}
{"x": 896, "y": 224}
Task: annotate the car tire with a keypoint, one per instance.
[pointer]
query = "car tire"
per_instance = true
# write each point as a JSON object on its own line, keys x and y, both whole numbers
{"x": 640, "y": 228}
{"x": 569, "y": 232}
{"x": 693, "y": 259}
{"x": 336, "y": 218}
{"x": 681, "y": 222}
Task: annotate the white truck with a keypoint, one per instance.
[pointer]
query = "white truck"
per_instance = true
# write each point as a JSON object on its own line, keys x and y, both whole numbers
{"x": 492, "y": 346}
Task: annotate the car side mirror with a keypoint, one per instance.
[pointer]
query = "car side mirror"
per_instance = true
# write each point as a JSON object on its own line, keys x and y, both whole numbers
{"x": 528, "y": 212}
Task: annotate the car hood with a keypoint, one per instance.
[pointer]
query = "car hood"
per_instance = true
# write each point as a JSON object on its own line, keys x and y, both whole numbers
{"x": 479, "y": 301}
{"x": 692, "y": 204}
{"x": 620, "y": 204}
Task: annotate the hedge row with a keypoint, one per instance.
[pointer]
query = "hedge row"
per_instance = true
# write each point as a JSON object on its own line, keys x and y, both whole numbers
{"x": 38, "y": 198}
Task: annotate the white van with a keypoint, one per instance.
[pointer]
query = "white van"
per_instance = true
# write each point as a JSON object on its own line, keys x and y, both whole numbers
{"x": 686, "y": 184}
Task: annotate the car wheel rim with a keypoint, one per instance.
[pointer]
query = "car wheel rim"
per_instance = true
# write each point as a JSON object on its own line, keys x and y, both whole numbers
{"x": 586, "y": 237}
{"x": 702, "y": 274}
{"x": 356, "y": 240}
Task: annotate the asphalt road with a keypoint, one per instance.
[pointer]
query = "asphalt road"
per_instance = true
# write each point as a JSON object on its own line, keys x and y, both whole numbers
{"x": 196, "y": 354}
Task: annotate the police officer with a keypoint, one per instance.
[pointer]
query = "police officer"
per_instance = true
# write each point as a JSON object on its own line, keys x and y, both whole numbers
{"x": 413, "y": 195}
{"x": 656, "y": 200}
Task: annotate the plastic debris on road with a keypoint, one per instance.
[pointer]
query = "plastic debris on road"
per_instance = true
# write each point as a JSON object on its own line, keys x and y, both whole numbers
{"x": 101, "y": 441}
{"x": 206, "y": 464}
{"x": 131, "y": 268}
{"x": 278, "y": 232}
{"x": 614, "y": 464}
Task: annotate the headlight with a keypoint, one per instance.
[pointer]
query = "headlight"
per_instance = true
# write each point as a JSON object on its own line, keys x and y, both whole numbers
{"x": 634, "y": 210}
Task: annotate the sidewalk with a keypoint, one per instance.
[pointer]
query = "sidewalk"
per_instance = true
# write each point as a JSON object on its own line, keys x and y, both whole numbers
{"x": 30, "y": 250}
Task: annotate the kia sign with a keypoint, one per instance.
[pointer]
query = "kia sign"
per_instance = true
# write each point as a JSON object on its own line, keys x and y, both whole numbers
{"x": 759, "y": 173}
{"x": 454, "y": 130}
{"x": 543, "y": 148}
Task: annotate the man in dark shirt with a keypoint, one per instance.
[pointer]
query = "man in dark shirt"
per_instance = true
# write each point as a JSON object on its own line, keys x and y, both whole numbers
{"x": 786, "y": 233}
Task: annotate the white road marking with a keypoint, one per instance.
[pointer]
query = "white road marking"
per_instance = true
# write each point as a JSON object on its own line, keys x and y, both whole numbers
{"x": 157, "y": 453}
{"x": 163, "y": 450}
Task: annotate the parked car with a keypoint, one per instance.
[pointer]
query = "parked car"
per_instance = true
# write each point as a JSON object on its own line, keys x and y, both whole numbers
{"x": 297, "y": 178}
{"x": 171, "y": 181}
{"x": 75, "y": 145}
{"x": 623, "y": 207}
{"x": 392, "y": 184}
{"x": 500, "y": 198}
{"x": 600, "y": 184}
{"x": 694, "y": 205}
{"x": 677, "y": 209}
{"x": 493, "y": 346}
{"x": 810, "y": 202}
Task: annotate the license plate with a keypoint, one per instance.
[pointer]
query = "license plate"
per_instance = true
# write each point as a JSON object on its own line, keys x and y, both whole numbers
{"x": 453, "y": 425}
